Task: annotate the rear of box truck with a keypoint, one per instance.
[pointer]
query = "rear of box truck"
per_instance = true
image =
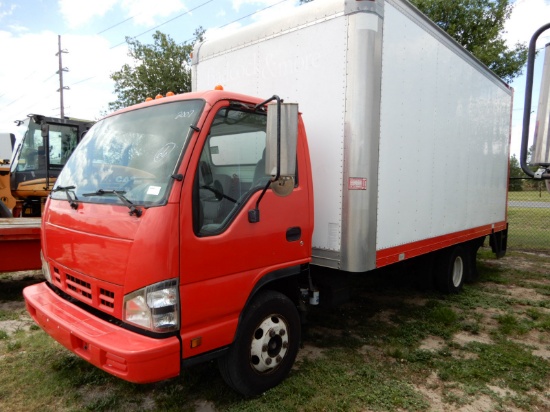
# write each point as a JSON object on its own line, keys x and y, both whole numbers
{"x": 409, "y": 134}
{"x": 444, "y": 141}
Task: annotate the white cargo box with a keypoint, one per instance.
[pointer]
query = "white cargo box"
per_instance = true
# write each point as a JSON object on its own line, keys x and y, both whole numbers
{"x": 408, "y": 133}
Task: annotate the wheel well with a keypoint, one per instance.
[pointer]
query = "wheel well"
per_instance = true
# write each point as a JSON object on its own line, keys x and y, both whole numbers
{"x": 286, "y": 281}
{"x": 288, "y": 286}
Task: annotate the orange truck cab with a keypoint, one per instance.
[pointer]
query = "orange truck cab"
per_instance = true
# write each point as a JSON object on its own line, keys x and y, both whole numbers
{"x": 135, "y": 235}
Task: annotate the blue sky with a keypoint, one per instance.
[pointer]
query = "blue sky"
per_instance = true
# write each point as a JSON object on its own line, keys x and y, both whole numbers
{"x": 94, "y": 32}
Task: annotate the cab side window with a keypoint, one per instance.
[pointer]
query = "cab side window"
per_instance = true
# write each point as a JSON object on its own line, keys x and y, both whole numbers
{"x": 231, "y": 168}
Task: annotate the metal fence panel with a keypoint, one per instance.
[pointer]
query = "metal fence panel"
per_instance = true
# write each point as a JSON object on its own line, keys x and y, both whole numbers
{"x": 529, "y": 216}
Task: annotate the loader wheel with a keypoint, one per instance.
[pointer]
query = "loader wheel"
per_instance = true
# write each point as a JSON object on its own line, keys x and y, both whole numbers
{"x": 4, "y": 211}
{"x": 451, "y": 269}
{"x": 265, "y": 345}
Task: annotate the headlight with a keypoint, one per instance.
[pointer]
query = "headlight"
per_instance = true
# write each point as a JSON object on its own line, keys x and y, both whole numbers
{"x": 45, "y": 268}
{"x": 155, "y": 307}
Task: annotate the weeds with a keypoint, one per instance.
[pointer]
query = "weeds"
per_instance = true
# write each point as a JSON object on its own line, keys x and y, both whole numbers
{"x": 373, "y": 355}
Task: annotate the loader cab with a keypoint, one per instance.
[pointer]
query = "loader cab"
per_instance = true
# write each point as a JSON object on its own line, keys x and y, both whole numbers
{"x": 46, "y": 146}
{"x": 7, "y": 202}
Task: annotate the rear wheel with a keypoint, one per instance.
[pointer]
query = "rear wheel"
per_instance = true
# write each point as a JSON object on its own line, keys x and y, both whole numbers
{"x": 265, "y": 346}
{"x": 451, "y": 269}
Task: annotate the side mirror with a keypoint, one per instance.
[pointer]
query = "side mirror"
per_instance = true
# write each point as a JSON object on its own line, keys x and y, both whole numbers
{"x": 281, "y": 140}
{"x": 541, "y": 153}
{"x": 280, "y": 153}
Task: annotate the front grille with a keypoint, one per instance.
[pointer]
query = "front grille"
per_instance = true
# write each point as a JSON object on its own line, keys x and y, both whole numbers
{"x": 107, "y": 298}
{"x": 56, "y": 275}
{"x": 79, "y": 286}
{"x": 90, "y": 292}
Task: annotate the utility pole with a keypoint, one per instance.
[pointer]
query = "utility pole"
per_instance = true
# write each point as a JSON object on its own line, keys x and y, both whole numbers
{"x": 60, "y": 71}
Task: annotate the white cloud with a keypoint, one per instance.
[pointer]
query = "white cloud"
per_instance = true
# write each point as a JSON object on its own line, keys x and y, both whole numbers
{"x": 6, "y": 10}
{"x": 77, "y": 13}
{"x": 17, "y": 28}
{"x": 266, "y": 10}
{"x": 527, "y": 16}
{"x": 31, "y": 85}
{"x": 261, "y": 3}
{"x": 216, "y": 33}
{"x": 90, "y": 61}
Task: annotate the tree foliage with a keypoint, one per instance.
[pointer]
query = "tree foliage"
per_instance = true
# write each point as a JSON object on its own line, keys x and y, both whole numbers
{"x": 515, "y": 183}
{"x": 158, "y": 68}
{"x": 478, "y": 25}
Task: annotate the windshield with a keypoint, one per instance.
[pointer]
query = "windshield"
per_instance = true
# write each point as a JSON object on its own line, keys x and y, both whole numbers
{"x": 62, "y": 141}
{"x": 133, "y": 153}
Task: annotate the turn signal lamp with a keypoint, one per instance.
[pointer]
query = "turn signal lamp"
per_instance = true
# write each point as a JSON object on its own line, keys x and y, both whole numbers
{"x": 218, "y": 87}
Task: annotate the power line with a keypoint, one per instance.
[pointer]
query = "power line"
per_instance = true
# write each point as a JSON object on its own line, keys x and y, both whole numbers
{"x": 84, "y": 80}
{"x": 244, "y": 17}
{"x": 183, "y": 14}
{"x": 251, "y": 14}
{"x": 167, "y": 21}
{"x": 117, "y": 24}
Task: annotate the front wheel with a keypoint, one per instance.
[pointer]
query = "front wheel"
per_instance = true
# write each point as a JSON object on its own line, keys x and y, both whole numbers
{"x": 265, "y": 346}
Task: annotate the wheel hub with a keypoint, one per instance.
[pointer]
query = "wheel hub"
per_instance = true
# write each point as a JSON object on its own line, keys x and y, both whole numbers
{"x": 458, "y": 271}
{"x": 269, "y": 344}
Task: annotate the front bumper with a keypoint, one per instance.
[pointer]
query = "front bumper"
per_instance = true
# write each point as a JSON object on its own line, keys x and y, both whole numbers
{"x": 120, "y": 352}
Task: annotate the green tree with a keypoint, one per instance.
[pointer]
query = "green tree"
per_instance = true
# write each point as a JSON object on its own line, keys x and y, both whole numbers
{"x": 515, "y": 184}
{"x": 478, "y": 26}
{"x": 158, "y": 68}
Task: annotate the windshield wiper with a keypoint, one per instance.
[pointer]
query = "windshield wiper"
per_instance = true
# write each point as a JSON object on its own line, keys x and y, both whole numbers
{"x": 120, "y": 194}
{"x": 67, "y": 190}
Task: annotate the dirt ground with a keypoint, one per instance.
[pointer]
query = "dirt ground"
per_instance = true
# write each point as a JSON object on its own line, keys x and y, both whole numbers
{"x": 433, "y": 388}
{"x": 11, "y": 284}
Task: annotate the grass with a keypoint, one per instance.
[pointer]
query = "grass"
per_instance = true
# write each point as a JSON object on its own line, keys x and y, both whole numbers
{"x": 504, "y": 363}
{"x": 529, "y": 196}
{"x": 528, "y": 228}
{"x": 370, "y": 354}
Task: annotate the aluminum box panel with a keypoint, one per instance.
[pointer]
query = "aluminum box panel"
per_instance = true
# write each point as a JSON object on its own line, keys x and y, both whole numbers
{"x": 444, "y": 137}
{"x": 279, "y": 59}
{"x": 408, "y": 133}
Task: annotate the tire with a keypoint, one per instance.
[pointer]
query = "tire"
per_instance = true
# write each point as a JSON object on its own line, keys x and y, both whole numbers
{"x": 451, "y": 269}
{"x": 265, "y": 345}
{"x": 4, "y": 211}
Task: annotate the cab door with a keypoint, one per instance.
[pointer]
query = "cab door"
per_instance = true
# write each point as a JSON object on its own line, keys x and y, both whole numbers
{"x": 223, "y": 254}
